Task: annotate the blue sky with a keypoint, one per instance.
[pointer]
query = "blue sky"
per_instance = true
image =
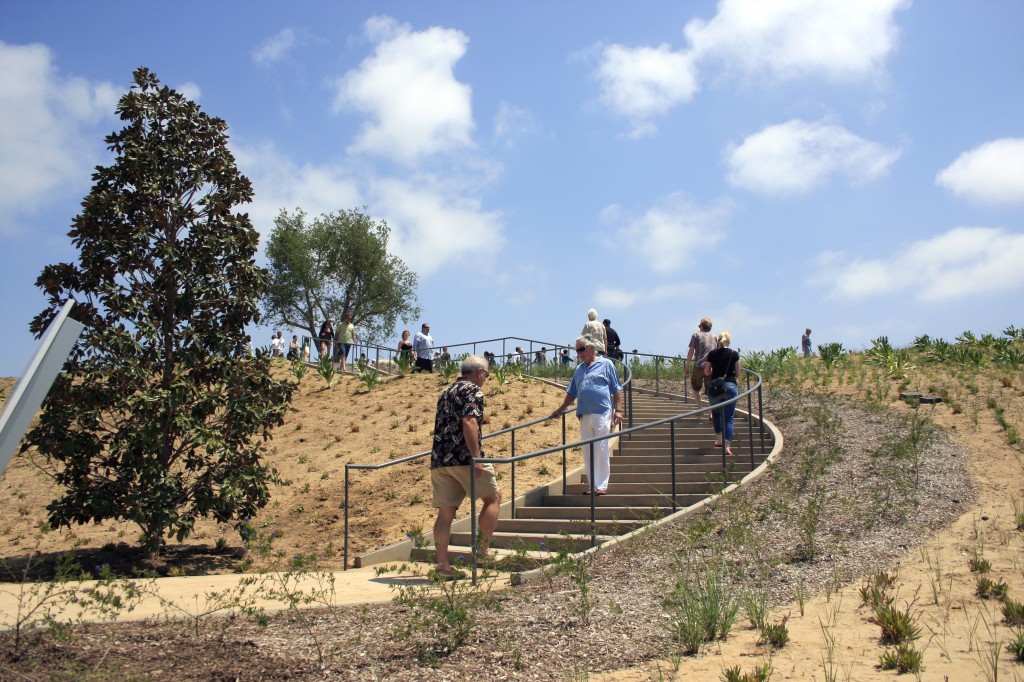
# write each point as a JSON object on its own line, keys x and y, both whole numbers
{"x": 856, "y": 167}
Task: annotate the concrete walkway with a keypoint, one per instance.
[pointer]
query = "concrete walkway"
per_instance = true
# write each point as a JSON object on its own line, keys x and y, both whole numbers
{"x": 191, "y": 596}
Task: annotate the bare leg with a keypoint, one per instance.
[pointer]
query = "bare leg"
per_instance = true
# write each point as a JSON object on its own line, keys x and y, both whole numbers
{"x": 488, "y": 520}
{"x": 442, "y": 534}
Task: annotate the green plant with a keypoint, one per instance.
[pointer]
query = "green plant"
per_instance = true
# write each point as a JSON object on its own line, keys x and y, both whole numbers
{"x": 1016, "y": 645}
{"x": 325, "y": 368}
{"x": 1013, "y": 613}
{"x": 403, "y": 361}
{"x": 576, "y": 570}
{"x": 830, "y": 353}
{"x": 755, "y": 605}
{"x": 762, "y": 673}
{"x": 979, "y": 565}
{"x": 775, "y": 635}
{"x": 903, "y": 659}
{"x": 988, "y": 589}
{"x": 370, "y": 378}
{"x": 897, "y": 626}
{"x": 447, "y": 370}
{"x": 700, "y": 606}
{"x": 440, "y": 615}
{"x": 160, "y": 415}
{"x": 298, "y": 369}
{"x": 66, "y": 600}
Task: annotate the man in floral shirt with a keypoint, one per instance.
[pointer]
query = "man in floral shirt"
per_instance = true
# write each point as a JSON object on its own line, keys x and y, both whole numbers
{"x": 457, "y": 440}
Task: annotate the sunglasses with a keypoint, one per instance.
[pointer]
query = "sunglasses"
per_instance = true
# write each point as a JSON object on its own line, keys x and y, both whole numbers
{"x": 582, "y": 348}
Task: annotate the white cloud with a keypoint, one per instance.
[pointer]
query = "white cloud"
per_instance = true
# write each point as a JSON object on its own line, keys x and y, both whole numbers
{"x": 789, "y": 39}
{"x": 275, "y": 48}
{"x": 409, "y": 90}
{"x": 758, "y": 39}
{"x": 992, "y": 173}
{"x": 49, "y": 133}
{"x": 512, "y": 123}
{"x": 642, "y": 82}
{"x": 965, "y": 261}
{"x": 279, "y": 183}
{"x": 623, "y": 299}
{"x": 797, "y": 156}
{"x": 672, "y": 232}
{"x": 190, "y": 90}
{"x": 433, "y": 227}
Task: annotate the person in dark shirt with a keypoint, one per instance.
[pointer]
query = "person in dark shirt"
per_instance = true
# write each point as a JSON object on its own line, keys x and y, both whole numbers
{"x": 457, "y": 441}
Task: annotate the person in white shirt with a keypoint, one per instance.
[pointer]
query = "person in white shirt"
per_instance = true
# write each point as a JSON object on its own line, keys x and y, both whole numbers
{"x": 423, "y": 347}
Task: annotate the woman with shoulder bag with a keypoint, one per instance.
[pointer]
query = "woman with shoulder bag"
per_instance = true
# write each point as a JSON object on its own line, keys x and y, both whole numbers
{"x": 722, "y": 371}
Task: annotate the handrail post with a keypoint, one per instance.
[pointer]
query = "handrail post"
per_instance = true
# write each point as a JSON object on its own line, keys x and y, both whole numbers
{"x": 657, "y": 375}
{"x": 672, "y": 442}
{"x": 750, "y": 422}
{"x": 760, "y": 412}
{"x": 565, "y": 467}
{"x": 472, "y": 517}
{"x": 593, "y": 500}
{"x": 514, "y": 474}
{"x": 345, "y": 502}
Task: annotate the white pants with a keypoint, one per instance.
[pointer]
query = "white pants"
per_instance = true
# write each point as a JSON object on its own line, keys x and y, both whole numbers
{"x": 592, "y": 425}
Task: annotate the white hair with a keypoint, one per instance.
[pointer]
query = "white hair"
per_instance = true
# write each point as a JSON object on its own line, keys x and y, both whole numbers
{"x": 592, "y": 314}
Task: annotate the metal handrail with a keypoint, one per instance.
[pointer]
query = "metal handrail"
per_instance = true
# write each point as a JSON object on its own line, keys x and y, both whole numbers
{"x": 493, "y": 434}
{"x": 564, "y": 447}
{"x": 589, "y": 441}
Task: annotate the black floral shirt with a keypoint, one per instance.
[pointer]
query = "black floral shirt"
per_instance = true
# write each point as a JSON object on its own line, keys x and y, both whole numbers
{"x": 461, "y": 399}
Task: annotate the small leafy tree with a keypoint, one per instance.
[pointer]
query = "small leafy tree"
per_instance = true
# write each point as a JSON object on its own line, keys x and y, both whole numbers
{"x": 153, "y": 420}
{"x": 334, "y": 265}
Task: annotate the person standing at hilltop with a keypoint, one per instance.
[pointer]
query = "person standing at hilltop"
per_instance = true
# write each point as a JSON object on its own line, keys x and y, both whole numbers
{"x": 595, "y": 385}
{"x": 423, "y": 346}
{"x": 612, "y": 339}
{"x": 346, "y": 337}
{"x": 701, "y": 343}
{"x": 458, "y": 440}
{"x": 595, "y": 330}
{"x": 805, "y": 343}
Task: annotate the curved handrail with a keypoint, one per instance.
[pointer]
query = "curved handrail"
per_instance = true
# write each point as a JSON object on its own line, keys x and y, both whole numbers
{"x": 671, "y": 421}
{"x": 628, "y": 385}
{"x": 512, "y": 429}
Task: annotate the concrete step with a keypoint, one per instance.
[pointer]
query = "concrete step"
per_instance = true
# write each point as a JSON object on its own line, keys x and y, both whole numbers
{"x": 548, "y": 542}
{"x": 507, "y": 560}
{"x": 666, "y": 477}
{"x": 615, "y": 487}
{"x": 647, "y": 500}
{"x": 583, "y": 513}
{"x": 560, "y": 526}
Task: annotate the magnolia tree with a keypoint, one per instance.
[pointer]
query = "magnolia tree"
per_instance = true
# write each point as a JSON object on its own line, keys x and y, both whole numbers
{"x": 334, "y": 265}
{"x": 160, "y": 416}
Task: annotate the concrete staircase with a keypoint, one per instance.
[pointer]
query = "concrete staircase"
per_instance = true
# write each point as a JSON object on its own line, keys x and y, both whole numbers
{"x": 551, "y": 520}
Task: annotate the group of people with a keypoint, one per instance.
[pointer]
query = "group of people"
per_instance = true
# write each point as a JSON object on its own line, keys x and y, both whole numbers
{"x": 337, "y": 343}
{"x": 715, "y": 370}
{"x": 605, "y": 338}
{"x": 421, "y": 349}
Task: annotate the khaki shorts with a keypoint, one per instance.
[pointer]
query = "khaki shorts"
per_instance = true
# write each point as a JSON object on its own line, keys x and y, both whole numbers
{"x": 451, "y": 484}
{"x": 697, "y": 378}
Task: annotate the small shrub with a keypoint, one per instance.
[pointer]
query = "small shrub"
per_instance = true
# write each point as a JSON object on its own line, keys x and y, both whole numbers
{"x": 897, "y": 626}
{"x": 775, "y": 635}
{"x": 988, "y": 589}
{"x": 903, "y": 659}
{"x": 979, "y": 565}
{"x": 762, "y": 673}
{"x": 1016, "y": 646}
{"x": 1013, "y": 613}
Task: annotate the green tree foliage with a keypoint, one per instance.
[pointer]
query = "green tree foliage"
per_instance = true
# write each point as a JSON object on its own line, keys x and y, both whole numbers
{"x": 157, "y": 419}
{"x": 336, "y": 264}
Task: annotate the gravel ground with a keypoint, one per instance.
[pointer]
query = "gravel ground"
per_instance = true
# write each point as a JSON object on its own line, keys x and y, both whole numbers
{"x": 866, "y": 523}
